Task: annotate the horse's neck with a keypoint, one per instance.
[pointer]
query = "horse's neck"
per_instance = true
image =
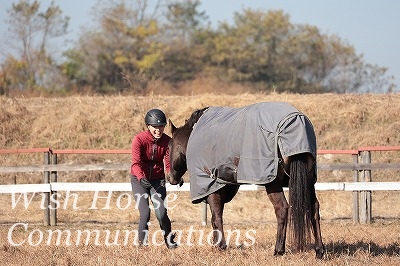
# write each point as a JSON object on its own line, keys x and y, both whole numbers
{"x": 189, "y": 131}
{"x": 189, "y": 127}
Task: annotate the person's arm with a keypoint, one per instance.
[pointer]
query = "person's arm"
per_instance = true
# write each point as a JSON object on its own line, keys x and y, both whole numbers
{"x": 137, "y": 161}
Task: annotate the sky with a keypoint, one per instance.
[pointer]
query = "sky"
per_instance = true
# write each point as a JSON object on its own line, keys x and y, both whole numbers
{"x": 370, "y": 26}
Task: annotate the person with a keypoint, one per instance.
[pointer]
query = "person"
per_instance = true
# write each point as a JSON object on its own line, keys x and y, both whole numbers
{"x": 150, "y": 163}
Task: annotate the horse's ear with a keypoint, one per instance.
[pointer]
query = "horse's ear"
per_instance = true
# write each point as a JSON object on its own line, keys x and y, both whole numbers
{"x": 173, "y": 127}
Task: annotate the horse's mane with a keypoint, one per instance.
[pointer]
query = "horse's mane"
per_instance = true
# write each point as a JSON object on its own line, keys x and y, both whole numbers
{"x": 195, "y": 117}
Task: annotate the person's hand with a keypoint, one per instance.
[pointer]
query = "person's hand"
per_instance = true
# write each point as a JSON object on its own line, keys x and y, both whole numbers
{"x": 145, "y": 183}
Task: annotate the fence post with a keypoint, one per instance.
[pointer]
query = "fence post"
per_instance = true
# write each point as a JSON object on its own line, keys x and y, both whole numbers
{"x": 365, "y": 199}
{"x": 53, "y": 210}
{"x": 355, "y": 193}
{"x": 46, "y": 194}
{"x": 204, "y": 214}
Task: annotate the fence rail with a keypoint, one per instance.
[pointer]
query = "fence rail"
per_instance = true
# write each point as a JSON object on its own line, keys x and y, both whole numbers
{"x": 361, "y": 185}
{"x": 126, "y": 187}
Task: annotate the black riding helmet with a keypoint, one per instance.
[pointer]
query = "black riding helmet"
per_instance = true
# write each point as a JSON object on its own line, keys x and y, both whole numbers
{"x": 155, "y": 117}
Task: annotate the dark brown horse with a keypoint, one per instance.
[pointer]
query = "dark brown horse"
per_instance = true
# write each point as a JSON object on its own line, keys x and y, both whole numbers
{"x": 297, "y": 171}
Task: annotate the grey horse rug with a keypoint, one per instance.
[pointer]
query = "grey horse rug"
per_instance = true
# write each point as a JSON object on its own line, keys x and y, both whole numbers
{"x": 240, "y": 145}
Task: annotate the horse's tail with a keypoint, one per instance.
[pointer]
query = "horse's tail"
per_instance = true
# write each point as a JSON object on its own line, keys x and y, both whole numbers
{"x": 301, "y": 185}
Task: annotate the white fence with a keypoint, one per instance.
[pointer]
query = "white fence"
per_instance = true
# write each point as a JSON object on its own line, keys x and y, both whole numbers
{"x": 126, "y": 187}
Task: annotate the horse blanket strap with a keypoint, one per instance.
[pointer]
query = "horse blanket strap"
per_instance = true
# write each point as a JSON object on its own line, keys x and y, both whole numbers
{"x": 240, "y": 145}
{"x": 223, "y": 174}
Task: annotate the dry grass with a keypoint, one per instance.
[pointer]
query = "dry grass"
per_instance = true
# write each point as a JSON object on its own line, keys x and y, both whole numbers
{"x": 346, "y": 243}
{"x": 340, "y": 121}
{"x": 94, "y": 122}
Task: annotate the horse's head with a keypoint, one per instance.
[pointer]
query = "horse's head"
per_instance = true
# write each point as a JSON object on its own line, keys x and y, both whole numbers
{"x": 177, "y": 147}
{"x": 177, "y": 153}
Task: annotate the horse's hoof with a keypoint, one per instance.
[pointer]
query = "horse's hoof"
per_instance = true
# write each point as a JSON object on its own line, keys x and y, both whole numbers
{"x": 241, "y": 246}
{"x": 222, "y": 247}
{"x": 279, "y": 253}
{"x": 319, "y": 253}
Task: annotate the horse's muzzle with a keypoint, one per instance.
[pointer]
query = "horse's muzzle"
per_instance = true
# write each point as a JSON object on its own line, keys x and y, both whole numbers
{"x": 173, "y": 181}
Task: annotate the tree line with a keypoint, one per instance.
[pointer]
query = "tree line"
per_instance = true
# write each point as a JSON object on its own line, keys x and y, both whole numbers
{"x": 134, "y": 43}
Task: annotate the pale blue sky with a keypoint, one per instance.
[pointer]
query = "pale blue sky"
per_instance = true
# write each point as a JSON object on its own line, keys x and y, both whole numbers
{"x": 371, "y": 26}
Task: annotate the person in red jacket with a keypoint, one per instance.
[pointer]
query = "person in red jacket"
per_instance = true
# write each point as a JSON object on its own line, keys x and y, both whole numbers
{"x": 150, "y": 163}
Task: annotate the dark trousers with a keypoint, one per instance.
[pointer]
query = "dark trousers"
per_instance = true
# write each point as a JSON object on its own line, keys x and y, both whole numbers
{"x": 157, "y": 194}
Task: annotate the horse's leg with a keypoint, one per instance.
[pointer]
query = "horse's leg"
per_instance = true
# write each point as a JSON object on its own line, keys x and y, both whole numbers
{"x": 281, "y": 207}
{"x": 217, "y": 209}
{"x": 315, "y": 221}
{"x": 319, "y": 246}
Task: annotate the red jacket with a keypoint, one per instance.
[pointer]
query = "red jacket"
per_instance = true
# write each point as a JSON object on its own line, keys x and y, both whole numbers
{"x": 150, "y": 156}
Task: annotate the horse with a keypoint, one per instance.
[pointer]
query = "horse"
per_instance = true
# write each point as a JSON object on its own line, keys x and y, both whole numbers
{"x": 224, "y": 157}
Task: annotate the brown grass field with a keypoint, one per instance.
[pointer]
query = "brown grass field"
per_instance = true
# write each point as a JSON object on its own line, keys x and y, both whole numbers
{"x": 96, "y": 122}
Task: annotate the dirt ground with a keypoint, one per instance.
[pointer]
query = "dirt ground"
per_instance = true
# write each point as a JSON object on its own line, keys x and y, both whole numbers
{"x": 249, "y": 218}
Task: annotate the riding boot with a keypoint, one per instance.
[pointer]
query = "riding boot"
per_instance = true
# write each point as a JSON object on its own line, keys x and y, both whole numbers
{"x": 170, "y": 241}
